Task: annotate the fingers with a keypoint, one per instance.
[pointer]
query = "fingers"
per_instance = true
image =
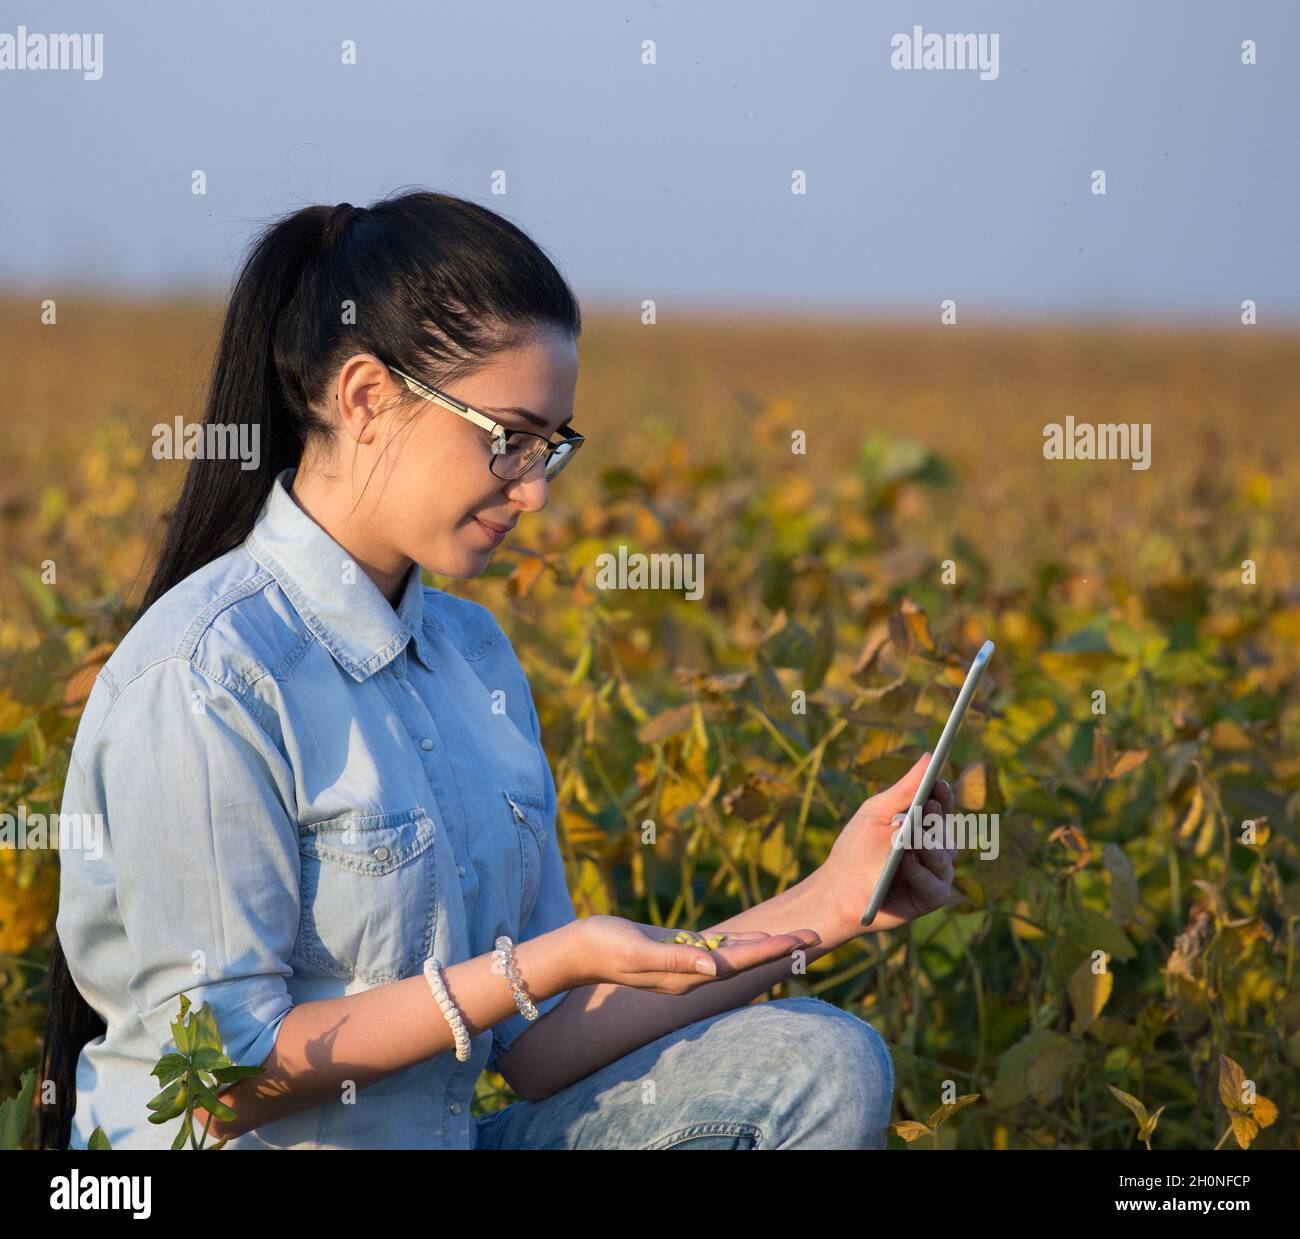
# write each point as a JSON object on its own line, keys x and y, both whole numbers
{"x": 896, "y": 799}
{"x": 938, "y": 861}
{"x": 929, "y": 889}
{"x": 709, "y": 939}
{"x": 738, "y": 956}
{"x": 725, "y": 952}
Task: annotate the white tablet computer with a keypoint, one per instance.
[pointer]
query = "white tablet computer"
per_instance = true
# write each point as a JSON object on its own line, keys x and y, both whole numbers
{"x": 917, "y": 808}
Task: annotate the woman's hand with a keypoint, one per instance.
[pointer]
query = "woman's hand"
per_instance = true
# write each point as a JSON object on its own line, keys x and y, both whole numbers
{"x": 923, "y": 882}
{"x": 645, "y": 957}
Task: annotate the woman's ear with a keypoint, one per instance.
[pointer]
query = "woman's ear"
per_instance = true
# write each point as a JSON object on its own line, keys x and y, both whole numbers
{"x": 362, "y": 382}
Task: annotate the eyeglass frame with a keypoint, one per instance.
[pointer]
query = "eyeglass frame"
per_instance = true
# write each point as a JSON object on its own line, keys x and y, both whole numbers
{"x": 572, "y": 439}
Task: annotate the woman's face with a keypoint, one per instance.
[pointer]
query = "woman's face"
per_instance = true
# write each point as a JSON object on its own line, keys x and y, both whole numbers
{"x": 432, "y": 497}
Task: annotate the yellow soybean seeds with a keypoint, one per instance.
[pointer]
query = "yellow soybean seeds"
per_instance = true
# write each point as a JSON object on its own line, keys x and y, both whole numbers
{"x": 686, "y": 938}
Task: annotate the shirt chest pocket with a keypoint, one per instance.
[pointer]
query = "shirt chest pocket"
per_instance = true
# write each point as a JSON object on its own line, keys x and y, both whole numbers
{"x": 528, "y": 812}
{"x": 369, "y": 894}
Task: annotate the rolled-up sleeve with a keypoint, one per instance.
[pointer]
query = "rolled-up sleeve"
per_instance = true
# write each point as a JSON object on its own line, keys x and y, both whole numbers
{"x": 205, "y": 853}
{"x": 553, "y": 909}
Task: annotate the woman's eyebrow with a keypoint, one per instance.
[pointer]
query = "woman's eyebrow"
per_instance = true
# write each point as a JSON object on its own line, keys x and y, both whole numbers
{"x": 527, "y": 414}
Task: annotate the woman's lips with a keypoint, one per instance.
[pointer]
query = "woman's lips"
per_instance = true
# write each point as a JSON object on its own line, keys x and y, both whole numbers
{"x": 496, "y": 533}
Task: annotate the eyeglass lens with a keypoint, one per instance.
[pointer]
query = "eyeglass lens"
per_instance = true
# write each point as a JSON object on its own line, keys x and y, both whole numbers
{"x": 515, "y": 457}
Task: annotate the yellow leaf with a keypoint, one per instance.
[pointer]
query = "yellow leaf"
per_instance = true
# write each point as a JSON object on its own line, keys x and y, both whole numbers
{"x": 1244, "y": 1128}
{"x": 1089, "y": 992}
{"x": 1231, "y": 1078}
{"x": 948, "y": 1109}
{"x": 1194, "y": 812}
{"x": 1073, "y": 840}
{"x": 1150, "y": 1125}
{"x": 525, "y": 575}
{"x": 1228, "y": 736}
{"x": 678, "y": 794}
{"x": 775, "y": 855}
{"x": 579, "y": 830}
{"x": 917, "y": 623}
{"x": 591, "y": 898}
{"x": 1103, "y": 754}
{"x": 1126, "y": 761}
{"x": 1022, "y": 929}
{"x": 648, "y": 531}
{"x": 1264, "y": 1112}
{"x": 630, "y": 703}
{"x": 1258, "y": 490}
{"x": 1138, "y": 1109}
{"x": 701, "y": 733}
{"x": 969, "y": 790}
{"x": 909, "y": 1130}
{"x": 1074, "y": 668}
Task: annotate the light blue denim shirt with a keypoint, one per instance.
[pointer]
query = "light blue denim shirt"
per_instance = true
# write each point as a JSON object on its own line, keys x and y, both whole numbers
{"x": 304, "y": 794}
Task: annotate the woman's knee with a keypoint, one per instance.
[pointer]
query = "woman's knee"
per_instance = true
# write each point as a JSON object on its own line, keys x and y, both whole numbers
{"x": 838, "y": 1071}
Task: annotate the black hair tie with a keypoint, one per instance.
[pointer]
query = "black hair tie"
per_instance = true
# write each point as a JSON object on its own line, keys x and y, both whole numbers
{"x": 339, "y": 220}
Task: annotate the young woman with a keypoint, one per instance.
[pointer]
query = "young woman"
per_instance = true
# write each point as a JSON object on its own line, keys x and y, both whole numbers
{"x": 324, "y": 795}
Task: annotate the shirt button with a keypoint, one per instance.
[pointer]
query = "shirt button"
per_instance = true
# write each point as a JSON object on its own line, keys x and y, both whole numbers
{"x": 460, "y": 869}
{"x": 455, "y": 1107}
{"x": 381, "y": 853}
{"x": 426, "y": 743}
{"x": 397, "y": 671}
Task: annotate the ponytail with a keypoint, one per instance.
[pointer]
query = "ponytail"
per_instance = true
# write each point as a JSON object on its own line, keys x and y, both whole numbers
{"x": 434, "y": 283}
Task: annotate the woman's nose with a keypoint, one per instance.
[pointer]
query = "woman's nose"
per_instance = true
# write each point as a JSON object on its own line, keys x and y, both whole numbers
{"x": 529, "y": 491}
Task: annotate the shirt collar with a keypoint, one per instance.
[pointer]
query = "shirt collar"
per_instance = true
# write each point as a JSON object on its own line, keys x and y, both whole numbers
{"x": 355, "y": 622}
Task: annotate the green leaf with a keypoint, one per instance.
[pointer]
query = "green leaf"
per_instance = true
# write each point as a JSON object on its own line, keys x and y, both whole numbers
{"x": 44, "y": 596}
{"x": 182, "y": 1032}
{"x": 1123, "y": 883}
{"x": 205, "y": 1024}
{"x": 886, "y": 770}
{"x": 169, "y": 1066}
{"x": 1037, "y": 802}
{"x": 787, "y": 644}
{"x": 232, "y": 1075}
{"x": 1086, "y": 641}
{"x": 775, "y": 700}
{"x": 9, "y": 742}
{"x": 823, "y": 651}
{"x": 1036, "y": 1065}
{"x": 619, "y": 481}
{"x": 883, "y": 460}
{"x": 205, "y": 1058}
{"x": 1091, "y": 930}
{"x": 16, "y": 1111}
{"x": 98, "y": 1140}
{"x": 1138, "y": 1110}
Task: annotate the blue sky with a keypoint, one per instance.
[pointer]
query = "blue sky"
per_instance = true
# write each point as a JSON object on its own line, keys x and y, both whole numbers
{"x": 672, "y": 181}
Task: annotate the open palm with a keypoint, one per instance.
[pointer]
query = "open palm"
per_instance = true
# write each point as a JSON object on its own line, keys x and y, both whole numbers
{"x": 625, "y": 952}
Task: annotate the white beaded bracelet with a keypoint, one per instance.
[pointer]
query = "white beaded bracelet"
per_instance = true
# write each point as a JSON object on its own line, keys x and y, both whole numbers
{"x": 433, "y": 974}
{"x": 505, "y": 953}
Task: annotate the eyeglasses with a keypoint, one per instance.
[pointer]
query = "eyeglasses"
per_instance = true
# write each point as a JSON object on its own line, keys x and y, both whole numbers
{"x": 514, "y": 452}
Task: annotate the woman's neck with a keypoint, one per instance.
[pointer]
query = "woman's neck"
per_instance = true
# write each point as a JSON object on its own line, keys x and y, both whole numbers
{"x": 388, "y": 570}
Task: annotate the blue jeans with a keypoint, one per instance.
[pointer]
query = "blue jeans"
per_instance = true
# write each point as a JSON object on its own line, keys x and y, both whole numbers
{"x": 792, "y": 1073}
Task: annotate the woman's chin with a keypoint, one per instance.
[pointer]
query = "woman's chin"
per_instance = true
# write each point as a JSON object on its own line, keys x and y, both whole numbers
{"x": 467, "y": 565}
